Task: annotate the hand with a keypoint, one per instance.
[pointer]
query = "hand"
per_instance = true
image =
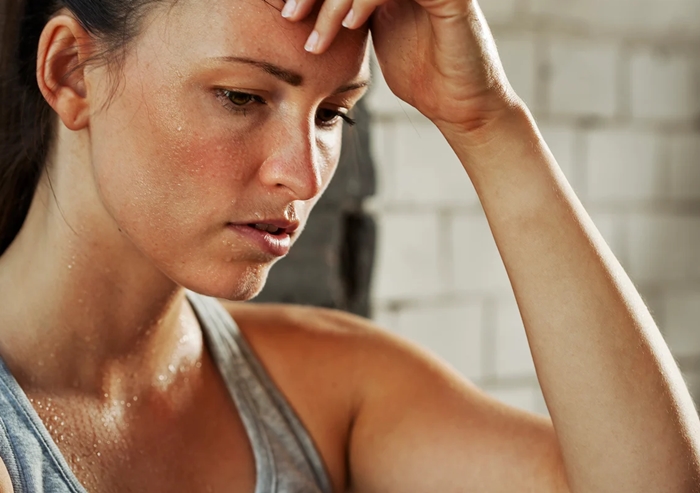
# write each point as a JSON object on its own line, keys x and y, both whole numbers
{"x": 437, "y": 55}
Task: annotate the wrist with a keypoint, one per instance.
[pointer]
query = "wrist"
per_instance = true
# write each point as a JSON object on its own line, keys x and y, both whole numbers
{"x": 482, "y": 131}
{"x": 495, "y": 141}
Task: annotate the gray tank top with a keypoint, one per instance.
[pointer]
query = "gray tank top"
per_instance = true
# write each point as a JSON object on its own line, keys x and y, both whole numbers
{"x": 286, "y": 459}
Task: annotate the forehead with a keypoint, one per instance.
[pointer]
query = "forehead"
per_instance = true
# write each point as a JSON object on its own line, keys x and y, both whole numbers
{"x": 201, "y": 29}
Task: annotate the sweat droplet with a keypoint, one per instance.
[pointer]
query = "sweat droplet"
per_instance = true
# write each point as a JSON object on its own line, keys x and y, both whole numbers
{"x": 171, "y": 368}
{"x": 161, "y": 377}
{"x": 179, "y": 129}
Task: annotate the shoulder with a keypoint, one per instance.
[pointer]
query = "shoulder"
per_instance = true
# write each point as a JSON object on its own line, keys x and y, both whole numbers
{"x": 408, "y": 420}
{"x": 366, "y": 358}
{"x": 320, "y": 334}
{"x": 5, "y": 482}
{"x": 307, "y": 340}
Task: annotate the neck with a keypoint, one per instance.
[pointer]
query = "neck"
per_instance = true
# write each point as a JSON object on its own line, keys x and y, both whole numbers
{"x": 81, "y": 307}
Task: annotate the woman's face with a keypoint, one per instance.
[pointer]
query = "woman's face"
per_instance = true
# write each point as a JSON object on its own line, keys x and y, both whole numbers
{"x": 220, "y": 120}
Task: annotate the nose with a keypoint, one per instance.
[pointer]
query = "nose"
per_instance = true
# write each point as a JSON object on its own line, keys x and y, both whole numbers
{"x": 297, "y": 162}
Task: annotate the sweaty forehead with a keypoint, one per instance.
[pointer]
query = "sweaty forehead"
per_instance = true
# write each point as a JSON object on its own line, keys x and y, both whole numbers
{"x": 255, "y": 29}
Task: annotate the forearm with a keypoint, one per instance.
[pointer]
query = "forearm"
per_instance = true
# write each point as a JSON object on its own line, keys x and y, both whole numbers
{"x": 624, "y": 418}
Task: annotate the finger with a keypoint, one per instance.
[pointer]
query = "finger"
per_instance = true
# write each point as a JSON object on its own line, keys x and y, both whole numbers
{"x": 296, "y": 10}
{"x": 360, "y": 12}
{"x": 328, "y": 23}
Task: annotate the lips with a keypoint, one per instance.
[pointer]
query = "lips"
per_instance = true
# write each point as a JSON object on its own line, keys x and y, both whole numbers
{"x": 274, "y": 226}
{"x": 276, "y": 244}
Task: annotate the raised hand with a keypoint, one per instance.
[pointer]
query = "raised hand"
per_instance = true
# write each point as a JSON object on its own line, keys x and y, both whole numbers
{"x": 437, "y": 55}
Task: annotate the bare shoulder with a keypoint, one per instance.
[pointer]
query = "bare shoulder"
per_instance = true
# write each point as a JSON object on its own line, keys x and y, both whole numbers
{"x": 411, "y": 422}
{"x": 326, "y": 352}
{"x": 5, "y": 482}
{"x": 313, "y": 356}
{"x": 340, "y": 344}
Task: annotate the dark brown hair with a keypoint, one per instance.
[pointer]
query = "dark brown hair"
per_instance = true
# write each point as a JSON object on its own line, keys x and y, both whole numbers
{"x": 26, "y": 119}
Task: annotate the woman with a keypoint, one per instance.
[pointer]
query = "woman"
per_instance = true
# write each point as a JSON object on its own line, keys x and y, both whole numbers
{"x": 154, "y": 150}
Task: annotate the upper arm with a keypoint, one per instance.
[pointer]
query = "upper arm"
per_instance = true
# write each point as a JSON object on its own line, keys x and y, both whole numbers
{"x": 421, "y": 427}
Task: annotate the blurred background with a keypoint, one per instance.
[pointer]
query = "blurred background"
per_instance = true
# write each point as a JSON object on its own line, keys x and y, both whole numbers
{"x": 615, "y": 88}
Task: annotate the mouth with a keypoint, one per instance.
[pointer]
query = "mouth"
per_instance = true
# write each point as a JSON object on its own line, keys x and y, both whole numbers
{"x": 272, "y": 239}
{"x": 269, "y": 228}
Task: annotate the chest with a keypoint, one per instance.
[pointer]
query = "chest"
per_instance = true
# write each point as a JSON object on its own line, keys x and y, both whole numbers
{"x": 153, "y": 443}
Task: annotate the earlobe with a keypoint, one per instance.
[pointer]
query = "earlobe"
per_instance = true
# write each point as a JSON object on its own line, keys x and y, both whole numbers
{"x": 63, "y": 48}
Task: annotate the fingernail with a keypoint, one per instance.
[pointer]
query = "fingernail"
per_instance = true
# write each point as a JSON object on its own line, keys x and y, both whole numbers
{"x": 289, "y": 8}
{"x": 312, "y": 42}
{"x": 348, "y": 21}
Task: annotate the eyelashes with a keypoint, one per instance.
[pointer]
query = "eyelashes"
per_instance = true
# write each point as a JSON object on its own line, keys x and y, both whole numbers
{"x": 242, "y": 102}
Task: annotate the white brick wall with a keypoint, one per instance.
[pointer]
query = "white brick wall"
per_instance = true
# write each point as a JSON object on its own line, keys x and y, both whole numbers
{"x": 684, "y": 162}
{"x": 476, "y": 264}
{"x": 583, "y": 78}
{"x": 683, "y": 313}
{"x": 513, "y": 356}
{"x": 615, "y": 87}
{"x": 664, "y": 85}
{"x": 452, "y": 331}
{"x": 649, "y": 17}
{"x": 407, "y": 264}
{"x": 623, "y": 165}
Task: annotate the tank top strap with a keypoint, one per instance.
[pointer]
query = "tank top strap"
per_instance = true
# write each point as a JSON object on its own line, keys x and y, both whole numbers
{"x": 287, "y": 460}
{"x": 31, "y": 456}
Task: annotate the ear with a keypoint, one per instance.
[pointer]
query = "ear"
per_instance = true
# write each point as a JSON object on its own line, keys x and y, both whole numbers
{"x": 63, "y": 48}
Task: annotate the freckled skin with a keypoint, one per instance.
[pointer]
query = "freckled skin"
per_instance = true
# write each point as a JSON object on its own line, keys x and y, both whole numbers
{"x": 173, "y": 165}
{"x": 136, "y": 208}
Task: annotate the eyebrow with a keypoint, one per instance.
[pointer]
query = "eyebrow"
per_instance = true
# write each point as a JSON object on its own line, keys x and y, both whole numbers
{"x": 290, "y": 77}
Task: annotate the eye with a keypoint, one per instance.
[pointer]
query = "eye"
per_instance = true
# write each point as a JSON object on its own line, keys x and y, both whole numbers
{"x": 238, "y": 101}
{"x": 240, "y": 98}
{"x": 328, "y": 118}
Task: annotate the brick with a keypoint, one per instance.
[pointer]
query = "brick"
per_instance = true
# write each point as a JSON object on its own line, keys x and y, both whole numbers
{"x": 583, "y": 78}
{"x": 407, "y": 264}
{"x": 382, "y": 150}
{"x": 561, "y": 140}
{"x": 451, "y": 332}
{"x": 513, "y": 357}
{"x": 681, "y": 326}
{"x": 477, "y": 265}
{"x": 624, "y": 165}
{"x": 664, "y": 86}
{"x": 684, "y": 164}
{"x": 675, "y": 17}
{"x": 663, "y": 248}
{"x": 499, "y": 11}
{"x": 518, "y": 54}
{"x": 525, "y": 398}
{"x": 426, "y": 169}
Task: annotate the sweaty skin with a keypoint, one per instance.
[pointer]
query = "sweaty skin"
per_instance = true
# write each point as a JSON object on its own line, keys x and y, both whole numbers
{"x": 92, "y": 311}
{"x": 147, "y": 174}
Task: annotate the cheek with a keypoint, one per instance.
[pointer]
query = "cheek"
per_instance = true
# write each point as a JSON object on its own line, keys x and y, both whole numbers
{"x": 162, "y": 177}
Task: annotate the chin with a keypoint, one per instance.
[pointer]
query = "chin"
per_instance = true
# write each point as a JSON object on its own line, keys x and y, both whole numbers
{"x": 230, "y": 282}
